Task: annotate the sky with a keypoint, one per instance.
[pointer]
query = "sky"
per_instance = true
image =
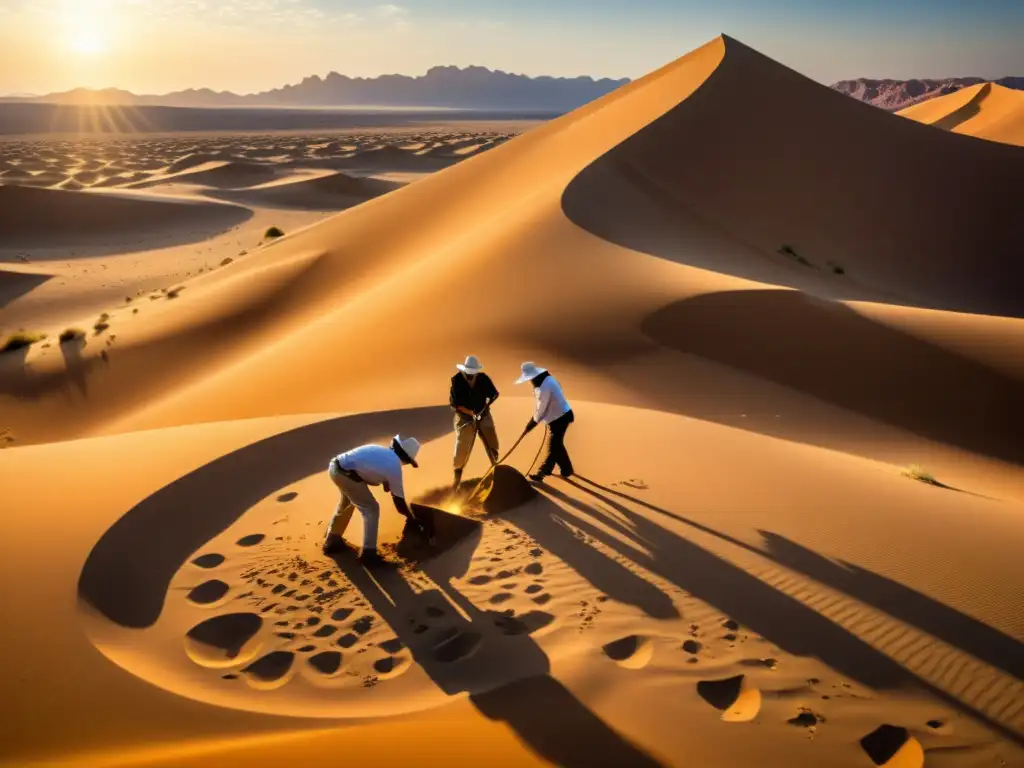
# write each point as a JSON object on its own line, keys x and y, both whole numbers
{"x": 157, "y": 46}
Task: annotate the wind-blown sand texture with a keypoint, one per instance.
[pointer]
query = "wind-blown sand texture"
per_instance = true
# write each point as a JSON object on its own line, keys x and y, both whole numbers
{"x": 758, "y": 324}
{"x": 985, "y": 111}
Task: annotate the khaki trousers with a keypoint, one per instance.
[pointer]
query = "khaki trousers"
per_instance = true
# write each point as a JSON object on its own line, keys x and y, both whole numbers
{"x": 355, "y": 495}
{"x": 465, "y": 436}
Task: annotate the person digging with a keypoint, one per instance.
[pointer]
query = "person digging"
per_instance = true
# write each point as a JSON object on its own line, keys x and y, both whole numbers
{"x": 471, "y": 396}
{"x": 354, "y": 472}
{"x": 554, "y": 410}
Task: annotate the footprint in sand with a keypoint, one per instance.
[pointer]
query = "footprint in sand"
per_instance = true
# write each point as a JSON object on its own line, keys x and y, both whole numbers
{"x": 735, "y": 697}
{"x": 630, "y": 652}
{"x": 210, "y": 560}
{"x": 362, "y": 625}
{"x": 534, "y": 569}
{"x": 347, "y": 640}
{"x": 893, "y": 747}
{"x": 500, "y": 598}
{"x": 251, "y": 540}
{"x": 392, "y": 646}
{"x": 341, "y": 614}
{"x": 533, "y": 589}
{"x": 692, "y": 646}
{"x": 286, "y": 497}
{"x": 325, "y": 631}
{"x": 542, "y": 599}
{"x": 224, "y": 641}
{"x": 208, "y": 592}
{"x": 270, "y": 671}
{"x": 480, "y": 581}
{"x": 806, "y": 718}
{"x": 327, "y": 663}
{"x": 391, "y": 667}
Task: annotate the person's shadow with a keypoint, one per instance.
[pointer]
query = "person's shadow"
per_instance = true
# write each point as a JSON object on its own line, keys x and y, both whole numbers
{"x": 781, "y": 619}
{"x": 492, "y": 657}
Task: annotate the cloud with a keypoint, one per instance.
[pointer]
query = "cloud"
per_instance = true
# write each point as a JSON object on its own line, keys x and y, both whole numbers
{"x": 390, "y": 11}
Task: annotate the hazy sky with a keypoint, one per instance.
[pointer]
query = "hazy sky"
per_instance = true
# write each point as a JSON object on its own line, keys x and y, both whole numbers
{"x": 154, "y": 46}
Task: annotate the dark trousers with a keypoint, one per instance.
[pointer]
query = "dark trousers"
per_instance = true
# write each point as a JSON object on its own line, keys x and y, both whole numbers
{"x": 557, "y": 455}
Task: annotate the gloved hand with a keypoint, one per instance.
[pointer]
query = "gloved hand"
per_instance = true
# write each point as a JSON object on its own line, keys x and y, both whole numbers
{"x": 387, "y": 488}
{"x": 529, "y": 426}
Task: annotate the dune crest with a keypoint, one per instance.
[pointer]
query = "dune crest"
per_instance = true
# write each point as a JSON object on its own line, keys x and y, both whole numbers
{"x": 985, "y": 111}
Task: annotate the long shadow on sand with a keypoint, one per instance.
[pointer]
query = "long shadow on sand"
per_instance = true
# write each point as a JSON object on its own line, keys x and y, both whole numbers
{"x": 15, "y": 284}
{"x": 830, "y": 352}
{"x": 548, "y": 523}
{"x": 544, "y": 714}
{"x": 783, "y": 620}
{"x": 127, "y": 574}
{"x": 899, "y": 601}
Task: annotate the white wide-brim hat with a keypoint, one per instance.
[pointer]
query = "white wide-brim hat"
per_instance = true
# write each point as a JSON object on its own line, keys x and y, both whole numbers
{"x": 530, "y": 371}
{"x": 472, "y": 365}
{"x": 410, "y": 447}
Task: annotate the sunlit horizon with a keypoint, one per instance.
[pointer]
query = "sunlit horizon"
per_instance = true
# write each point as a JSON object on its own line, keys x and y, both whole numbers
{"x": 160, "y": 46}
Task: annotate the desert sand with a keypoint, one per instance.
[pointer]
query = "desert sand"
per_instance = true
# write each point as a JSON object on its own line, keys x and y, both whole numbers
{"x": 759, "y": 325}
{"x": 986, "y": 111}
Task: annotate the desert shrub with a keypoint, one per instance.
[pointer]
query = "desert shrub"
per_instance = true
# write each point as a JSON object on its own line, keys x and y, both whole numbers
{"x": 173, "y": 293}
{"x": 21, "y": 339}
{"x": 273, "y": 232}
{"x": 790, "y": 252}
{"x": 916, "y": 472}
{"x": 71, "y": 334}
{"x": 227, "y": 261}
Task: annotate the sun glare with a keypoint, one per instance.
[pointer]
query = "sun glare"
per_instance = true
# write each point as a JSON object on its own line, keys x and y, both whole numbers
{"x": 88, "y": 42}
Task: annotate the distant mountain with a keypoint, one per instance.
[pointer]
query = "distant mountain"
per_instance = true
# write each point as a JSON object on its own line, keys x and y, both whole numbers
{"x": 449, "y": 87}
{"x": 894, "y": 95}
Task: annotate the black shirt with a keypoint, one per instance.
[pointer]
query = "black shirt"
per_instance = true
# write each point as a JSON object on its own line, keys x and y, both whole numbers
{"x": 473, "y": 397}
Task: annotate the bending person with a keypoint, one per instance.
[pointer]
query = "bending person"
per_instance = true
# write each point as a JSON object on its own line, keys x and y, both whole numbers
{"x": 554, "y": 410}
{"x": 354, "y": 472}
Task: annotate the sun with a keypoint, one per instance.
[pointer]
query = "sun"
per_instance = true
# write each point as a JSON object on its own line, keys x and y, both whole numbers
{"x": 88, "y": 41}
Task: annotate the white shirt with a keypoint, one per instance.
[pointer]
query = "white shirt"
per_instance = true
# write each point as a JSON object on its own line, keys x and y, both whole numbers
{"x": 551, "y": 403}
{"x": 375, "y": 464}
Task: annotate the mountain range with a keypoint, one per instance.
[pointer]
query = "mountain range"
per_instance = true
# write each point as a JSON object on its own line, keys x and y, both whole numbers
{"x": 894, "y": 95}
{"x": 443, "y": 86}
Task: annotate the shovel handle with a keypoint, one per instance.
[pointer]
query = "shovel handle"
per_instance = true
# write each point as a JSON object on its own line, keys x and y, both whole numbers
{"x": 500, "y": 461}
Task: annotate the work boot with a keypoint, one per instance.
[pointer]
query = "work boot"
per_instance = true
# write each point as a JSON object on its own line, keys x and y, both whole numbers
{"x": 370, "y": 558}
{"x": 334, "y": 544}
{"x": 537, "y": 477}
{"x": 458, "y": 480}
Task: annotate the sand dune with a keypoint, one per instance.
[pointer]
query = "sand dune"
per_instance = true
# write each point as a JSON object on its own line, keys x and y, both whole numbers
{"x": 985, "y": 111}
{"x": 318, "y": 191}
{"x": 86, "y": 217}
{"x": 217, "y": 174}
{"x": 741, "y": 561}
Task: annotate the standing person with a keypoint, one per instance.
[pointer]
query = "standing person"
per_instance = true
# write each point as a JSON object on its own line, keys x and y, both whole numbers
{"x": 471, "y": 396}
{"x": 554, "y": 410}
{"x": 354, "y": 472}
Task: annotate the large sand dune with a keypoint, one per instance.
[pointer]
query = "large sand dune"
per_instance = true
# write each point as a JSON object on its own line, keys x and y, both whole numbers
{"x": 55, "y": 218}
{"x": 985, "y": 111}
{"x": 743, "y": 411}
